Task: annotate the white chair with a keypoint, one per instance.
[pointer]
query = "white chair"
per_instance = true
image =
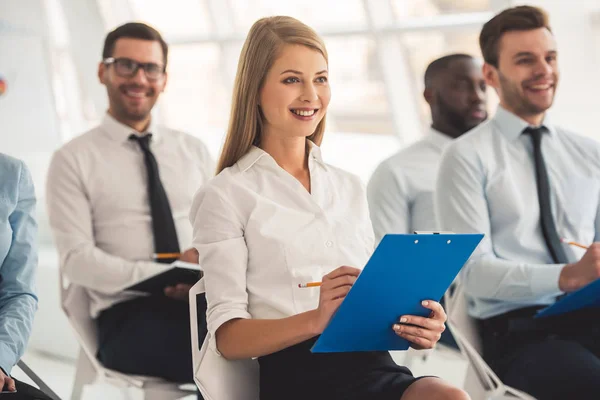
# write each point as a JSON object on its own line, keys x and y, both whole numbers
{"x": 216, "y": 377}
{"x": 44, "y": 388}
{"x": 481, "y": 382}
{"x": 76, "y": 305}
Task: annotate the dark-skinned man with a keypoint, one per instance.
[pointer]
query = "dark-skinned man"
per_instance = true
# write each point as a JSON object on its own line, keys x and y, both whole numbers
{"x": 400, "y": 191}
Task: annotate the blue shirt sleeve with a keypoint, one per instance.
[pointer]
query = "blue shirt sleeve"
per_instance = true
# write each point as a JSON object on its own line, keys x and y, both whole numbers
{"x": 18, "y": 301}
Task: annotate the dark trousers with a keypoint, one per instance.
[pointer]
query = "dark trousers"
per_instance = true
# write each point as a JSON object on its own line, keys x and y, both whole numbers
{"x": 24, "y": 392}
{"x": 549, "y": 358}
{"x": 149, "y": 336}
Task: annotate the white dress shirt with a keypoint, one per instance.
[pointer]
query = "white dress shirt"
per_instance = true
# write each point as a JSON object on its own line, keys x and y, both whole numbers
{"x": 260, "y": 233}
{"x": 97, "y": 200}
{"x": 400, "y": 191}
{"x": 487, "y": 184}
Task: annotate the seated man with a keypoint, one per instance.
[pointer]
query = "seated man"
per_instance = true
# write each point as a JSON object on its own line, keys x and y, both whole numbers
{"x": 18, "y": 262}
{"x": 400, "y": 191}
{"x": 118, "y": 200}
{"x": 525, "y": 183}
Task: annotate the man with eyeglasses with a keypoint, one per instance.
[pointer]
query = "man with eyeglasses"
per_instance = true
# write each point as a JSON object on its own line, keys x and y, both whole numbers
{"x": 118, "y": 199}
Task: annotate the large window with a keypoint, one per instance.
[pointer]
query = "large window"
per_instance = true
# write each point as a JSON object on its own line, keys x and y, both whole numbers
{"x": 404, "y": 9}
{"x": 329, "y": 15}
{"x": 197, "y": 96}
{"x": 178, "y": 18}
{"x": 367, "y": 121}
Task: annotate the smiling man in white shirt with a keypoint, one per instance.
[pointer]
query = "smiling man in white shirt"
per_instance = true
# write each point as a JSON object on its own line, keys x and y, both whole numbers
{"x": 119, "y": 194}
{"x": 525, "y": 183}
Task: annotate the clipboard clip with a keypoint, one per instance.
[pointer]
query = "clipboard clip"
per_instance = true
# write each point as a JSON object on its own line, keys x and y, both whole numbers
{"x": 433, "y": 233}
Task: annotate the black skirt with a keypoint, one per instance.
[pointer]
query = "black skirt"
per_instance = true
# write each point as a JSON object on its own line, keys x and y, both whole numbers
{"x": 296, "y": 373}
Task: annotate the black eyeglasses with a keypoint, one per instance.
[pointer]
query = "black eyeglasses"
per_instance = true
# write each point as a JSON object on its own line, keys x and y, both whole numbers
{"x": 127, "y": 68}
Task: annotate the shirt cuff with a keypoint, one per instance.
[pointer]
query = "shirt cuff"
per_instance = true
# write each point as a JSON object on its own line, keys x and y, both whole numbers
{"x": 544, "y": 280}
{"x": 216, "y": 324}
{"x": 8, "y": 358}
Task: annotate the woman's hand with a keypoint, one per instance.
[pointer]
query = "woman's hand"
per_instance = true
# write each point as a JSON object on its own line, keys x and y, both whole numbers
{"x": 423, "y": 332}
{"x": 6, "y": 382}
{"x": 334, "y": 288}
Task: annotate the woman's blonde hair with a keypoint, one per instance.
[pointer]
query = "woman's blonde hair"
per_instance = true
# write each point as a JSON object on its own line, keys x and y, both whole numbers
{"x": 264, "y": 43}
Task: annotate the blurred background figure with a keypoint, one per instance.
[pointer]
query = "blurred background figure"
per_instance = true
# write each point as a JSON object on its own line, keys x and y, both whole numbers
{"x": 400, "y": 191}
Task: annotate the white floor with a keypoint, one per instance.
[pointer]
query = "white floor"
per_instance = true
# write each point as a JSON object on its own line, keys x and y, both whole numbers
{"x": 59, "y": 373}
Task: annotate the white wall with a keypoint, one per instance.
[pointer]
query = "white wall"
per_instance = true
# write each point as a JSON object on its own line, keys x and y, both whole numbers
{"x": 29, "y": 130}
{"x": 27, "y": 109}
{"x": 25, "y": 15}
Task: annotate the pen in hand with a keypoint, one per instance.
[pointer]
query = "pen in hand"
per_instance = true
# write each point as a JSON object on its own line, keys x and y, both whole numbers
{"x": 162, "y": 256}
{"x": 309, "y": 284}
{"x": 573, "y": 243}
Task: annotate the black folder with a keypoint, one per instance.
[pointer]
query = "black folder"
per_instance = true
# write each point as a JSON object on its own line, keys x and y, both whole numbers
{"x": 180, "y": 272}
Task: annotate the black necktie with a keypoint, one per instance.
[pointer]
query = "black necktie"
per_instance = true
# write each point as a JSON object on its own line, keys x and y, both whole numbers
{"x": 543, "y": 187}
{"x": 163, "y": 226}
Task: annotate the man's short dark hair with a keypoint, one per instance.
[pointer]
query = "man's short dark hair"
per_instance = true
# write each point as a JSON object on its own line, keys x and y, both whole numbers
{"x": 441, "y": 64}
{"x": 522, "y": 18}
{"x": 133, "y": 30}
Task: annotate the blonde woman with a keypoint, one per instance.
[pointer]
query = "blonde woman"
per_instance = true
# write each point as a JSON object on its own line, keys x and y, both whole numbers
{"x": 277, "y": 215}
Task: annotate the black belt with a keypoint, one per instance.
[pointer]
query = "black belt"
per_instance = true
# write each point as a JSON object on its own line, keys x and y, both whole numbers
{"x": 518, "y": 320}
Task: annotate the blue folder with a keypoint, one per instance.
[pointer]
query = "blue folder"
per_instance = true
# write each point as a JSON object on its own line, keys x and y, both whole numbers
{"x": 587, "y": 296}
{"x": 403, "y": 271}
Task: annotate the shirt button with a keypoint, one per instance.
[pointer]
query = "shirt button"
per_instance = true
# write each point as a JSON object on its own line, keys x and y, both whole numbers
{"x": 329, "y": 243}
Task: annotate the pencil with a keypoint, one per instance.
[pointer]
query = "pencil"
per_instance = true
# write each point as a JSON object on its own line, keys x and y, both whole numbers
{"x": 166, "y": 255}
{"x": 572, "y": 243}
{"x": 309, "y": 284}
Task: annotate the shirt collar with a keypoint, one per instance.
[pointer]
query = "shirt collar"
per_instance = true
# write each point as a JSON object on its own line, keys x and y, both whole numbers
{"x": 256, "y": 154}
{"x": 438, "y": 139}
{"x": 315, "y": 154}
{"x": 120, "y": 132}
{"x": 512, "y": 126}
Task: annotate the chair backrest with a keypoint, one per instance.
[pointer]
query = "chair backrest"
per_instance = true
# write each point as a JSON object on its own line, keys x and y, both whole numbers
{"x": 75, "y": 302}
{"x": 216, "y": 377}
{"x": 458, "y": 315}
{"x": 465, "y": 331}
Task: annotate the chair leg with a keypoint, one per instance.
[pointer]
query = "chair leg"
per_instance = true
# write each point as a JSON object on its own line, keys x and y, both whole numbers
{"x": 163, "y": 394}
{"x": 508, "y": 393}
{"x": 411, "y": 355}
{"x": 84, "y": 375}
{"x": 37, "y": 380}
{"x": 473, "y": 384}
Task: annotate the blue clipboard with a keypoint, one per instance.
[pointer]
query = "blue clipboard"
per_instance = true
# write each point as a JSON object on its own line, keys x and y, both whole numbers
{"x": 403, "y": 271}
{"x": 587, "y": 296}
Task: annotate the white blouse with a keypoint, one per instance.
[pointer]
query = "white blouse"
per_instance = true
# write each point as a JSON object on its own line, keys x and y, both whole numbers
{"x": 260, "y": 233}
